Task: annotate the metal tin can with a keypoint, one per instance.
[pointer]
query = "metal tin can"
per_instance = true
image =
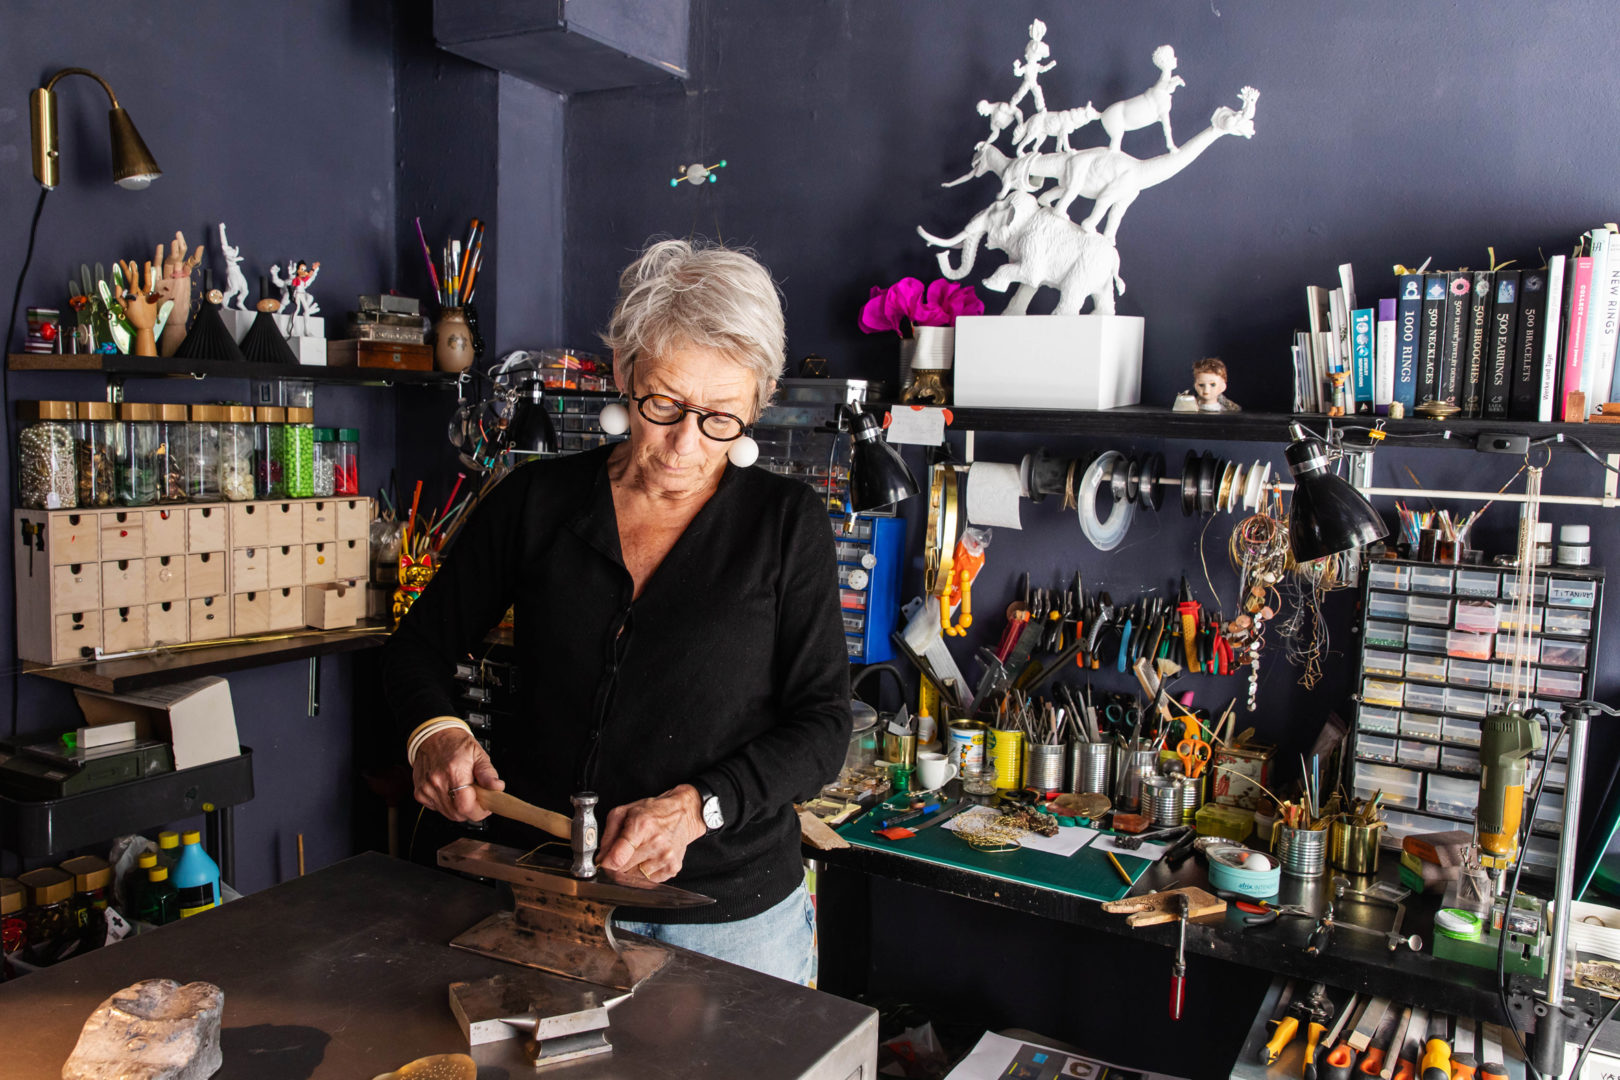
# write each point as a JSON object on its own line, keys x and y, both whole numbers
{"x": 1006, "y": 749}
{"x": 1044, "y": 767}
{"x": 1091, "y": 768}
{"x": 966, "y": 747}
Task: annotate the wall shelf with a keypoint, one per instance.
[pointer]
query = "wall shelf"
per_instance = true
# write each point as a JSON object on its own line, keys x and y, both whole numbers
{"x": 156, "y": 669}
{"x": 1141, "y": 422}
{"x": 120, "y": 365}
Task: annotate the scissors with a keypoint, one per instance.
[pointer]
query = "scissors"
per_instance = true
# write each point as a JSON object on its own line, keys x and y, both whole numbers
{"x": 1193, "y": 751}
{"x": 1122, "y": 718}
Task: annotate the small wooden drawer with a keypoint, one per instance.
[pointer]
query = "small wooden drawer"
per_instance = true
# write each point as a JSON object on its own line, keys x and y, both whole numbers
{"x": 205, "y": 574}
{"x": 166, "y": 623}
{"x": 74, "y": 538}
{"x": 124, "y": 628}
{"x": 210, "y": 617}
{"x": 287, "y": 608}
{"x": 353, "y": 559}
{"x": 250, "y": 524}
{"x": 165, "y": 578}
{"x": 123, "y": 535}
{"x": 320, "y": 521}
{"x": 75, "y": 586}
{"x": 320, "y": 562}
{"x": 250, "y": 569}
{"x": 250, "y": 612}
{"x": 353, "y": 519}
{"x": 205, "y": 528}
{"x": 286, "y": 566}
{"x": 77, "y": 635}
{"x": 123, "y": 583}
{"x": 336, "y": 604}
{"x": 286, "y": 524}
{"x": 165, "y": 531}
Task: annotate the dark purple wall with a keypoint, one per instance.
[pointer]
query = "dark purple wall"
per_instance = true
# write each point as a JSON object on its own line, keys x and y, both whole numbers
{"x": 1384, "y": 132}
{"x": 279, "y": 123}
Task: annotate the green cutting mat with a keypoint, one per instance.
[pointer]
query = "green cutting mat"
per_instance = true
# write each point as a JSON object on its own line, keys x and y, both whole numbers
{"x": 1086, "y": 873}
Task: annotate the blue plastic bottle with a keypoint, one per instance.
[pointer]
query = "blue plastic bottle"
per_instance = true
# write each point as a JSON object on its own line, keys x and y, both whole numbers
{"x": 196, "y": 877}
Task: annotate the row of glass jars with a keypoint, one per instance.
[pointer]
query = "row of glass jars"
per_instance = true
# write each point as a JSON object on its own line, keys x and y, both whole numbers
{"x": 94, "y": 453}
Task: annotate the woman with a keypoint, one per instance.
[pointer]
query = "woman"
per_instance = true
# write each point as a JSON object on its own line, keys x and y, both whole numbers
{"x": 678, "y": 632}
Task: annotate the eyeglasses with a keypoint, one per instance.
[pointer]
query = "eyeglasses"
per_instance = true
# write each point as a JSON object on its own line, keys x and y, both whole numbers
{"x": 665, "y": 410}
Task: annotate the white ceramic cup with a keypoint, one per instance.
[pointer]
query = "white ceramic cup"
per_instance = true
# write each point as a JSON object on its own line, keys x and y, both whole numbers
{"x": 934, "y": 770}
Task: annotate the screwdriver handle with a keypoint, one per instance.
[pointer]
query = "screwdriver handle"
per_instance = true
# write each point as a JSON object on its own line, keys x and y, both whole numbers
{"x": 1372, "y": 1062}
{"x": 1287, "y": 1027}
{"x": 1313, "y": 1035}
{"x": 1436, "y": 1063}
{"x": 1463, "y": 1067}
{"x": 1493, "y": 1070}
{"x": 1404, "y": 1070}
{"x": 1340, "y": 1060}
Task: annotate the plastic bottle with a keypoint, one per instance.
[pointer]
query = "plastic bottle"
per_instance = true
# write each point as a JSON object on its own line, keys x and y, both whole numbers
{"x": 138, "y": 883}
{"x": 168, "y": 854}
{"x": 160, "y": 900}
{"x": 196, "y": 877}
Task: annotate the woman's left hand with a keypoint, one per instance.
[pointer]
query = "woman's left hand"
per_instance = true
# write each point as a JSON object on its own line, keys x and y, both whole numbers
{"x": 652, "y": 834}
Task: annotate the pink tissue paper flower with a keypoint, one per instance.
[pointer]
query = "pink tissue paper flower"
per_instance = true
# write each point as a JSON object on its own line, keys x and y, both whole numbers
{"x": 908, "y": 301}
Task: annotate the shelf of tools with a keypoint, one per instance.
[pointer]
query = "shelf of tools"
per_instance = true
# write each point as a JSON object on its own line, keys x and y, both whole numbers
{"x": 1086, "y": 631}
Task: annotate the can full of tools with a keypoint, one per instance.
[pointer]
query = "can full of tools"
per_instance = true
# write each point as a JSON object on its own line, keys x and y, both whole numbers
{"x": 1354, "y": 848}
{"x": 1091, "y": 768}
{"x": 1131, "y": 767}
{"x": 1006, "y": 750}
{"x": 1043, "y": 767}
{"x": 1303, "y": 852}
{"x": 1192, "y": 797}
{"x": 1161, "y": 799}
{"x": 966, "y": 747}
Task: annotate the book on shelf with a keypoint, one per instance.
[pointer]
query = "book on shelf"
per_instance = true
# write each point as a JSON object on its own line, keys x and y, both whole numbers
{"x": 1384, "y": 358}
{"x": 1604, "y": 319}
{"x": 1598, "y": 246}
{"x": 1547, "y": 396}
{"x": 1473, "y": 362}
{"x": 1499, "y": 360}
{"x": 1454, "y": 338}
{"x": 1408, "y": 340}
{"x": 1430, "y": 336}
{"x": 1362, "y": 331}
{"x": 1524, "y": 396}
{"x": 1579, "y": 287}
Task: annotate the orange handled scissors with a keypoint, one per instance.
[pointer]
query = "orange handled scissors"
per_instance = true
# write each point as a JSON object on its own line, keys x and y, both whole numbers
{"x": 1193, "y": 751}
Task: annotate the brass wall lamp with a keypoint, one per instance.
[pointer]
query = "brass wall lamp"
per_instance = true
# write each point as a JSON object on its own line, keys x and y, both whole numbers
{"x": 132, "y": 163}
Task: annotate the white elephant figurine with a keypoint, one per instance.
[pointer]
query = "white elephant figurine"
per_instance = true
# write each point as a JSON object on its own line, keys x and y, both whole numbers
{"x": 1044, "y": 248}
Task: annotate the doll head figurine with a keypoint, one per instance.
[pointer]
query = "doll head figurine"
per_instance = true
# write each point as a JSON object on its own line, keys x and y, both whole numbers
{"x": 1209, "y": 386}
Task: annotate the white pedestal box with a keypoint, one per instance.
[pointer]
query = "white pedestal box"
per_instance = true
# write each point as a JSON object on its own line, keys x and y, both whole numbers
{"x": 238, "y": 322}
{"x": 309, "y": 350}
{"x": 1048, "y": 361}
{"x": 305, "y": 326}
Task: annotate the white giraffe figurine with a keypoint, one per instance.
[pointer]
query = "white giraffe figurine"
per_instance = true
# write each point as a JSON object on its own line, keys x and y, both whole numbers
{"x": 1150, "y": 106}
{"x": 235, "y": 283}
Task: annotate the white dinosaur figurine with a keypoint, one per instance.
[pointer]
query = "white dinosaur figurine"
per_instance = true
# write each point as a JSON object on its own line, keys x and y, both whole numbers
{"x": 1150, "y": 106}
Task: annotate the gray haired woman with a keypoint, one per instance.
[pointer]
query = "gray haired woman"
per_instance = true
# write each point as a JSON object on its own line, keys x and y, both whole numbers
{"x": 677, "y": 624}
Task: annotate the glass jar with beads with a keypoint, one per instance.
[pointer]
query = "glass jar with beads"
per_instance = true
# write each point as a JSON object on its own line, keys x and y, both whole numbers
{"x": 236, "y": 453}
{"x": 94, "y": 450}
{"x": 267, "y": 420}
{"x": 295, "y": 449}
{"x": 326, "y": 461}
{"x": 48, "y": 477}
{"x": 173, "y": 429}
{"x": 135, "y": 447}
{"x": 346, "y": 479}
{"x": 202, "y": 453}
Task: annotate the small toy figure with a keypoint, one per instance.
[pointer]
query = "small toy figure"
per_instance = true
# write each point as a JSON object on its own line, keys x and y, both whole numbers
{"x": 1030, "y": 68}
{"x": 300, "y": 280}
{"x": 236, "y": 288}
{"x": 1209, "y": 386}
{"x": 1001, "y": 116}
{"x": 284, "y": 283}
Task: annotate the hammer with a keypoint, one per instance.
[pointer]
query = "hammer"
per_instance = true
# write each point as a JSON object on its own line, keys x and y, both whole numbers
{"x": 580, "y": 831}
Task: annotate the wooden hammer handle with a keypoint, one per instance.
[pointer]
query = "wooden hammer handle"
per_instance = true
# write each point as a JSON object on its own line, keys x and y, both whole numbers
{"x": 509, "y": 806}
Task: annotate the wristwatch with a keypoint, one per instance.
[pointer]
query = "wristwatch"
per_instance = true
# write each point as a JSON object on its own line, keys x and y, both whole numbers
{"x": 712, "y": 817}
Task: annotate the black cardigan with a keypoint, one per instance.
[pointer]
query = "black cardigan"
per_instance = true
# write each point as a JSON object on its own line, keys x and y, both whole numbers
{"x": 730, "y": 669}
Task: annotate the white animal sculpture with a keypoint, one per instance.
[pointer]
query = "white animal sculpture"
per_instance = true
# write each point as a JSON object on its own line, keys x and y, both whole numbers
{"x": 284, "y": 283}
{"x": 1119, "y": 178}
{"x": 1001, "y": 116}
{"x": 1029, "y": 136}
{"x": 1044, "y": 248}
{"x": 235, "y": 283}
{"x": 1030, "y": 68}
{"x": 1150, "y": 106}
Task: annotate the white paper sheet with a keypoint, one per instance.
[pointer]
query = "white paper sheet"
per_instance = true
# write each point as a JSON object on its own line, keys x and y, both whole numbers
{"x": 916, "y": 425}
{"x": 997, "y": 1056}
{"x": 1069, "y": 838}
{"x": 992, "y": 495}
{"x": 1108, "y": 842}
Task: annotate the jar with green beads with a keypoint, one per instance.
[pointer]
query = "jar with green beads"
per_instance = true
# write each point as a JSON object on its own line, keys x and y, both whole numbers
{"x": 294, "y": 449}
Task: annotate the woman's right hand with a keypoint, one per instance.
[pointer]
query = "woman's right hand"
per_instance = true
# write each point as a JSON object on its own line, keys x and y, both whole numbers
{"x": 446, "y": 761}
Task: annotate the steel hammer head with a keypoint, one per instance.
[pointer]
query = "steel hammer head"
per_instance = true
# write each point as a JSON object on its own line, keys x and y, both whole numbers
{"x": 582, "y": 835}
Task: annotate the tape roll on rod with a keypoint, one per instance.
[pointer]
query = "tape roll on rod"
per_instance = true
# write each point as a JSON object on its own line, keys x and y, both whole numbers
{"x": 1105, "y": 534}
{"x": 993, "y": 490}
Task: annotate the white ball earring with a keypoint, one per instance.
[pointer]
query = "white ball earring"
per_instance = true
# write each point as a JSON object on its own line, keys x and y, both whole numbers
{"x": 614, "y": 418}
{"x": 743, "y": 452}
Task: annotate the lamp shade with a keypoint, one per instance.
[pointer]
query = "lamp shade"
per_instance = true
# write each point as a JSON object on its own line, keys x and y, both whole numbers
{"x": 132, "y": 163}
{"x": 1328, "y": 515}
{"x": 531, "y": 430}
{"x": 878, "y": 476}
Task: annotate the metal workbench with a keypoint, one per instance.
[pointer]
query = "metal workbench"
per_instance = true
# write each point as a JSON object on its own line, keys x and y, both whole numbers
{"x": 345, "y": 973}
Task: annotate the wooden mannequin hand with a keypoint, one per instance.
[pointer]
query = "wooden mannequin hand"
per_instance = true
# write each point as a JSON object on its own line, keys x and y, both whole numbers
{"x": 141, "y": 308}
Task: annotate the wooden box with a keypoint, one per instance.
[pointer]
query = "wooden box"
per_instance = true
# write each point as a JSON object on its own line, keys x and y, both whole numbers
{"x": 320, "y": 562}
{"x": 286, "y": 525}
{"x": 70, "y": 537}
{"x": 205, "y": 573}
{"x": 123, "y": 534}
{"x": 250, "y": 524}
{"x": 286, "y": 566}
{"x": 124, "y": 629}
{"x": 250, "y": 569}
{"x": 165, "y": 531}
{"x": 320, "y": 520}
{"x": 336, "y": 604}
{"x": 210, "y": 617}
{"x": 73, "y": 636}
{"x": 165, "y": 578}
{"x": 379, "y": 354}
{"x": 353, "y": 519}
{"x": 123, "y": 583}
{"x": 167, "y": 623}
{"x": 353, "y": 559}
{"x": 287, "y": 608}
{"x": 250, "y": 613}
{"x": 205, "y": 528}
{"x": 75, "y": 587}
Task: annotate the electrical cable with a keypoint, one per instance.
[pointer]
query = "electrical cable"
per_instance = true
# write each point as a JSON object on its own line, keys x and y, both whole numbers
{"x": 1513, "y": 893}
{"x": 1586, "y": 1047}
{"x": 1593, "y": 454}
{"x": 5, "y": 411}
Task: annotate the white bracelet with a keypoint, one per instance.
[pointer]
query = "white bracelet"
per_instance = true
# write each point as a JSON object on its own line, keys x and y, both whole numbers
{"x": 429, "y": 729}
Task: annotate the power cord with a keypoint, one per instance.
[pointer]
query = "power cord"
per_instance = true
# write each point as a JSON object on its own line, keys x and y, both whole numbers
{"x": 1513, "y": 893}
{"x": 5, "y": 411}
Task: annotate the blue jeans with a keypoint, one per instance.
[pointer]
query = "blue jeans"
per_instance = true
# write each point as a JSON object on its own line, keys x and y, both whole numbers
{"x": 779, "y": 941}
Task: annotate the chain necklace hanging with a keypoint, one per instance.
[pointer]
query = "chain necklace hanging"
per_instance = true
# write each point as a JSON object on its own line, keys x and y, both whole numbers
{"x": 1258, "y": 552}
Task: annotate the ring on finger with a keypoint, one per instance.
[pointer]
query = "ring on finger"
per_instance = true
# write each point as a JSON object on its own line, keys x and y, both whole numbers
{"x": 462, "y": 787}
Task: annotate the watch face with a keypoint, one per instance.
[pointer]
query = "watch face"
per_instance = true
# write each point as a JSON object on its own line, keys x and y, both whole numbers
{"x": 711, "y": 813}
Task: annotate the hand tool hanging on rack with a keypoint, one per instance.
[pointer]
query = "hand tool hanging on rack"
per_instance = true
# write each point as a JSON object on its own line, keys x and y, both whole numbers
{"x": 1178, "y": 970}
{"x": 1188, "y": 610}
{"x": 1314, "y": 1054}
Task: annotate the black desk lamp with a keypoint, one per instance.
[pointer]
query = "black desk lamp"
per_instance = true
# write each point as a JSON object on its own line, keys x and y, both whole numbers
{"x": 132, "y": 163}
{"x": 878, "y": 476}
{"x": 1328, "y": 515}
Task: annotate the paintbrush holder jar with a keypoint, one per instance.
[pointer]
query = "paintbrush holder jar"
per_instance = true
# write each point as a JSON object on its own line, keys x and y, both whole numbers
{"x": 1354, "y": 848}
{"x": 1302, "y": 852}
{"x": 452, "y": 341}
